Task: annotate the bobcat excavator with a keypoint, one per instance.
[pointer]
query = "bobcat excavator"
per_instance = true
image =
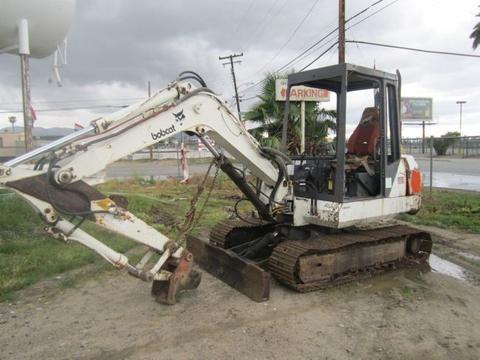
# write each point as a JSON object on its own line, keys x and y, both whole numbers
{"x": 311, "y": 210}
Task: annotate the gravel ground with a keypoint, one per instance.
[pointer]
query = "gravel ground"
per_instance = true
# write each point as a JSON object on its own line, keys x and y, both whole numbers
{"x": 400, "y": 315}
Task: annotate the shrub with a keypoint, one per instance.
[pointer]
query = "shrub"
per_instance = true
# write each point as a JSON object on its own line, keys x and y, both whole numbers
{"x": 442, "y": 143}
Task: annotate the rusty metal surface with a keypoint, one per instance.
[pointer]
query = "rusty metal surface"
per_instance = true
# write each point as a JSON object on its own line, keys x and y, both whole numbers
{"x": 306, "y": 265}
{"x": 240, "y": 273}
{"x": 119, "y": 200}
{"x": 339, "y": 258}
{"x": 182, "y": 278}
{"x": 74, "y": 197}
{"x": 229, "y": 233}
{"x": 321, "y": 267}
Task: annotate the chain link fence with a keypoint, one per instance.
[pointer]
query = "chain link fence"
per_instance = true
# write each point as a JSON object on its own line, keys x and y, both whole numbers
{"x": 447, "y": 162}
{"x": 465, "y": 146}
{"x": 192, "y": 151}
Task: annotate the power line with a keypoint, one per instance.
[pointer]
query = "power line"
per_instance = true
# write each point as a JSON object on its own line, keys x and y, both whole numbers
{"x": 364, "y": 10}
{"x": 252, "y": 83}
{"x": 311, "y": 47}
{"x": 319, "y": 56}
{"x": 292, "y": 34}
{"x": 70, "y": 101}
{"x": 372, "y": 14}
{"x": 264, "y": 21}
{"x": 291, "y": 62}
{"x": 244, "y": 16}
{"x": 348, "y": 28}
{"x": 437, "y": 52}
{"x": 67, "y": 108}
{"x": 334, "y": 30}
{"x": 249, "y": 98}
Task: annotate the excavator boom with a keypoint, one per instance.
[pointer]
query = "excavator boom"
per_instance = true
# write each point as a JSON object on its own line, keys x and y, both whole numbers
{"x": 57, "y": 185}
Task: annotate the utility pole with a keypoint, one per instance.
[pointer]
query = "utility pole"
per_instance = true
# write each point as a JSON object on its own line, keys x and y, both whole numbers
{"x": 461, "y": 108}
{"x": 232, "y": 69}
{"x": 341, "y": 31}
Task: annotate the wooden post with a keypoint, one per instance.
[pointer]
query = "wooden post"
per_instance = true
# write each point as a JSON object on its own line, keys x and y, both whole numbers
{"x": 341, "y": 31}
{"x": 431, "y": 163}
{"x": 302, "y": 127}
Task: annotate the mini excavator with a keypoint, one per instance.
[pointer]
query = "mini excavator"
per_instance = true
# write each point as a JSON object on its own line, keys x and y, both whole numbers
{"x": 316, "y": 218}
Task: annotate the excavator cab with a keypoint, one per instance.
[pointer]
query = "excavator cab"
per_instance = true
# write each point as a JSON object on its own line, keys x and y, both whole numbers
{"x": 319, "y": 241}
{"x": 362, "y": 164}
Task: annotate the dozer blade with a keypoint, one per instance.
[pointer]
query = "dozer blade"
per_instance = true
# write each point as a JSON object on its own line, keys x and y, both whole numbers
{"x": 182, "y": 278}
{"x": 240, "y": 273}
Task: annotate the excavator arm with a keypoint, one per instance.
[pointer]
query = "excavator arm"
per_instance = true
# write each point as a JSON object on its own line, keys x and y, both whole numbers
{"x": 56, "y": 186}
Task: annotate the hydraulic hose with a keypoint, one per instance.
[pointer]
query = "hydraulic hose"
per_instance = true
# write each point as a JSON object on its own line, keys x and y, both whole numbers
{"x": 278, "y": 153}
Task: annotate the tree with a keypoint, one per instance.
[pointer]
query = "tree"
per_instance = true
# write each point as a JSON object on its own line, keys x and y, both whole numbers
{"x": 269, "y": 113}
{"x": 475, "y": 35}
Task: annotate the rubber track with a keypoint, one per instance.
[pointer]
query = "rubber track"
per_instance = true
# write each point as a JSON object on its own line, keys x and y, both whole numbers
{"x": 284, "y": 259}
{"x": 219, "y": 233}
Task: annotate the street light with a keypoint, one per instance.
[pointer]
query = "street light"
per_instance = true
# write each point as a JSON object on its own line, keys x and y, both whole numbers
{"x": 13, "y": 120}
{"x": 461, "y": 106}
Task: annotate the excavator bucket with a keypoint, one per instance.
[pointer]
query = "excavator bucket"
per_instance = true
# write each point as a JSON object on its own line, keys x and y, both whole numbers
{"x": 183, "y": 277}
{"x": 240, "y": 273}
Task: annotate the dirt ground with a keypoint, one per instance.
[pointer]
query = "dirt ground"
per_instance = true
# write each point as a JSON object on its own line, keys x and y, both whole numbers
{"x": 400, "y": 315}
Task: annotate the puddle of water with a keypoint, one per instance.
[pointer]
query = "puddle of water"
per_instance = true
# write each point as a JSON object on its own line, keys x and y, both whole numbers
{"x": 446, "y": 267}
{"x": 452, "y": 180}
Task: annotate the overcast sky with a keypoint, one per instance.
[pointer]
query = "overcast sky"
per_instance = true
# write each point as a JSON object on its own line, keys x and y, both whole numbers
{"x": 116, "y": 46}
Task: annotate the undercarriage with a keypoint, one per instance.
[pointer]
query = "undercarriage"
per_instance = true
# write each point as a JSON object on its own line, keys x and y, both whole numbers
{"x": 245, "y": 253}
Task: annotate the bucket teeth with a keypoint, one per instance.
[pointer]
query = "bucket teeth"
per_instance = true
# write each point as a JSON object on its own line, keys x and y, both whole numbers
{"x": 182, "y": 278}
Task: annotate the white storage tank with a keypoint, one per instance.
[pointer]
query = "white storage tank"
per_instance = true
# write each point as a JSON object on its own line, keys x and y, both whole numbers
{"x": 47, "y": 22}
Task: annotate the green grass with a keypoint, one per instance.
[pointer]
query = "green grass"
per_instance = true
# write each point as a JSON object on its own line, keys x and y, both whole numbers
{"x": 172, "y": 197}
{"x": 28, "y": 254}
{"x": 449, "y": 210}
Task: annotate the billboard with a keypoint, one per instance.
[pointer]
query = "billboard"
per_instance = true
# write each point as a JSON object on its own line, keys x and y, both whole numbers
{"x": 299, "y": 93}
{"x": 414, "y": 108}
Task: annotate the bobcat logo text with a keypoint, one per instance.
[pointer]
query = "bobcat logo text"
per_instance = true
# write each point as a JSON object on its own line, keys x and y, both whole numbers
{"x": 163, "y": 132}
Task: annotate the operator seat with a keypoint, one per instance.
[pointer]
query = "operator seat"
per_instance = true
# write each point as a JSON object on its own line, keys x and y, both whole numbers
{"x": 362, "y": 144}
{"x": 363, "y": 141}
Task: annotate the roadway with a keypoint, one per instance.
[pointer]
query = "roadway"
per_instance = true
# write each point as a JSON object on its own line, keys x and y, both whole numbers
{"x": 150, "y": 169}
{"x": 455, "y": 173}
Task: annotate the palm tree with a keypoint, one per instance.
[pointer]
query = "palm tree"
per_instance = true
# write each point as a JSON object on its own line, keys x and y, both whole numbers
{"x": 270, "y": 113}
{"x": 475, "y": 35}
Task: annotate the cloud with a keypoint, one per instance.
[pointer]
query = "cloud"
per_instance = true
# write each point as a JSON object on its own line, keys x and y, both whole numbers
{"x": 116, "y": 46}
